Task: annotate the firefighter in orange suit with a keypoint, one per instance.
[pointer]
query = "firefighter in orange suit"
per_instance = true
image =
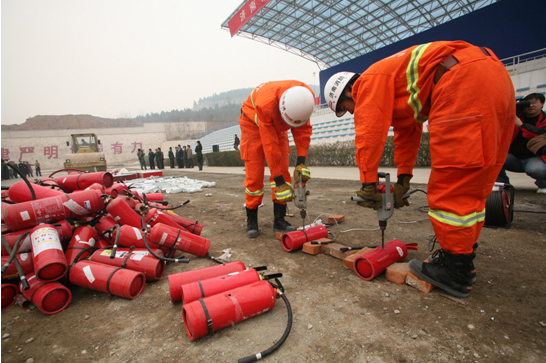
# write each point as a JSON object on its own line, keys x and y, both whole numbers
{"x": 468, "y": 98}
{"x": 270, "y": 111}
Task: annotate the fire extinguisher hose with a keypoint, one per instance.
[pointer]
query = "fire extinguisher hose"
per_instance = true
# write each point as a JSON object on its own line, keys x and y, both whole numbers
{"x": 14, "y": 251}
{"x": 25, "y": 180}
{"x": 184, "y": 260}
{"x": 22, "y": 276}
{"x": 257, "y": 356}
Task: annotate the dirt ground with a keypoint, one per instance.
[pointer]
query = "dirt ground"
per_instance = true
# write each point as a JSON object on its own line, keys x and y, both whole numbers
{"x": 338, "y": 317}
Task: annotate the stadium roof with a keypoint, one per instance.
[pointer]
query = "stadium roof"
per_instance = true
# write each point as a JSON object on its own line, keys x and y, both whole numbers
{"x": 330, "y": 32}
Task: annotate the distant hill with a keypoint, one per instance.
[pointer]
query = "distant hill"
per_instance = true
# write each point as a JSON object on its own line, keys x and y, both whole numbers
{"x": 236, "y": 96}
{"x": 70, "y": 122}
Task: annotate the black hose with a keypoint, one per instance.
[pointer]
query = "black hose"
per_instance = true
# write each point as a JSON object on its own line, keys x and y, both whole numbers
{"x": 22, "y": 275}
{"x": 115, "y": 248}
{"x": 14, "y": 251}
{"x": 255, "y": 357}
{"x": 184, "y": 260}
{"x": 24, "y": 179}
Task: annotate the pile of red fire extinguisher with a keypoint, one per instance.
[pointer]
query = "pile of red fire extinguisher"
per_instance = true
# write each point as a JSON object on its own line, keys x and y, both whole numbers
{"x": 85, "y": 230}
{"x": 220, "y": 296}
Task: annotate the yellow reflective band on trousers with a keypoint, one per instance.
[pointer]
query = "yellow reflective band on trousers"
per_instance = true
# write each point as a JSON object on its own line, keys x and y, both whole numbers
{"x": 254, "y": 194}
{"x": 412, "y": 77}
{"x": 254, "y": 105}
{"x": 455, "y": 220}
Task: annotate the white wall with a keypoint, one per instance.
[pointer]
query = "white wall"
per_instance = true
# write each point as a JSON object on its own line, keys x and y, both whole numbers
{"x": 118, "y": 144}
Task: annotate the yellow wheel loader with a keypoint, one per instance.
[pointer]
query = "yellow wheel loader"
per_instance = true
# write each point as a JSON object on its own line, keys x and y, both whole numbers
{"x": 85, "y": 153}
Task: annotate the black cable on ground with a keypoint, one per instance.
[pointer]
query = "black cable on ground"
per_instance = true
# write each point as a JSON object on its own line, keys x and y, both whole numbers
{"x": 265, "y": 353}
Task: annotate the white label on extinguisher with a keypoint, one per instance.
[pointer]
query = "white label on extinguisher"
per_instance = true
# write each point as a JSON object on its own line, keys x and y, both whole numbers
{"x": 89, "y": 274}
{"x": 137, "y": 257}
{"x": 23, "y": 256}
{"x": 24, "y": 215}
{"x": 400, "y": 252}
{"x": 75, "y": 207}
{"x": 45, "y": 239}
{"x": 163, "y": 238}
{"x": 137, "y": 233}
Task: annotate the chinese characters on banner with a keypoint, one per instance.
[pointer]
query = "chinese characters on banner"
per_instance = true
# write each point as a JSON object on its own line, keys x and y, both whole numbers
{"x": 51, "y": 151}
{"x": 26, "y": 150}
{"x": 117, "y": 147}
{"x": 244, "y": 14}
{"x": 135, "y": 144}
{"x": 5, "y": 153}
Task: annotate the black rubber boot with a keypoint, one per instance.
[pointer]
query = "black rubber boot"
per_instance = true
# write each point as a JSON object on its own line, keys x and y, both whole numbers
{"x": 473, "y": 273}
{"x": 449, "y": 272}
{"x": 279, "y": 224}
{"x": 252, "y": 223}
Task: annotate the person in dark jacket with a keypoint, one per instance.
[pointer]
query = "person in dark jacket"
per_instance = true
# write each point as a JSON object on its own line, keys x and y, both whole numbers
{"x": 171, "y": 157}
{"x": 199, "y": 155}
{"x": 151, "y": 157}
{"x": 179, "y": 157}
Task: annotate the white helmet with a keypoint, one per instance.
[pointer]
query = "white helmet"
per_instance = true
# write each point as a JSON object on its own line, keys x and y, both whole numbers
{"x": 333, "y": 91}
{"x": 296, "y": 106}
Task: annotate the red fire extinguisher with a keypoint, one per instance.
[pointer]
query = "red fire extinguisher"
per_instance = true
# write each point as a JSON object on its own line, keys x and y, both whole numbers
{"x": 64, "y": 229}
{"x": 123, "y": 213}
{"x": 8, "y": 295}
{"x": 29, "y": 214}
{"x": 110, "y": 279}
{"x": 48, "y": 297}
{"x": 187, "y": 277}
{"x": 129, "y": 236}
{"x": 164, "y": 235}
{"x": 136, "y": 259}
{"x": 155, "y": 216}
{"x": 116, "y": 189}
{"x": 205, "y": 288}
{"x": 47, "y": 253}
{"x": 216, "y": 312}
{"x": 76, "y": 181}
{"x": 97, "y": 186}
{"x": 292, "y": 241}
{"x": 81, "y": 244}
{"x": 20, "y": 192}
{"x": 371, "y": 264}
{"x": 191, "y": 226}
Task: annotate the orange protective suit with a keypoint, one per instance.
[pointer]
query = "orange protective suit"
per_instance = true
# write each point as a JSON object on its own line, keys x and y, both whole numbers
{"x": 264, "y": 135}
{"x": 471, "y": 113}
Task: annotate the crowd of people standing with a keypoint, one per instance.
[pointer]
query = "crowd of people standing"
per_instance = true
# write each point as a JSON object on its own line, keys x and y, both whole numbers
{"x": 181, "y": 156}
{"x": 24, "y": 168}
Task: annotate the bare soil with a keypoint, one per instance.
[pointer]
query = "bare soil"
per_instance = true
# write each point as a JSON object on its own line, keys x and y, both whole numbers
{"x": 338, "y": 317}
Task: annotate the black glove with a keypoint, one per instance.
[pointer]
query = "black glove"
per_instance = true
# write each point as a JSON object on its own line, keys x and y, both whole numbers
{"x": 372, "y": 199}
{"x": 400, "y": 188}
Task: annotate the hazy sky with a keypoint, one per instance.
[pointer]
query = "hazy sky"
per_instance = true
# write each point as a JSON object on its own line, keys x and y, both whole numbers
{"x": 124, "y": 58}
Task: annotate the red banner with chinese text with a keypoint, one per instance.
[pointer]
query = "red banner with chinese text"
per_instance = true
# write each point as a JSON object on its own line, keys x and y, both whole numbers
{"x": 244, "y": 14}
